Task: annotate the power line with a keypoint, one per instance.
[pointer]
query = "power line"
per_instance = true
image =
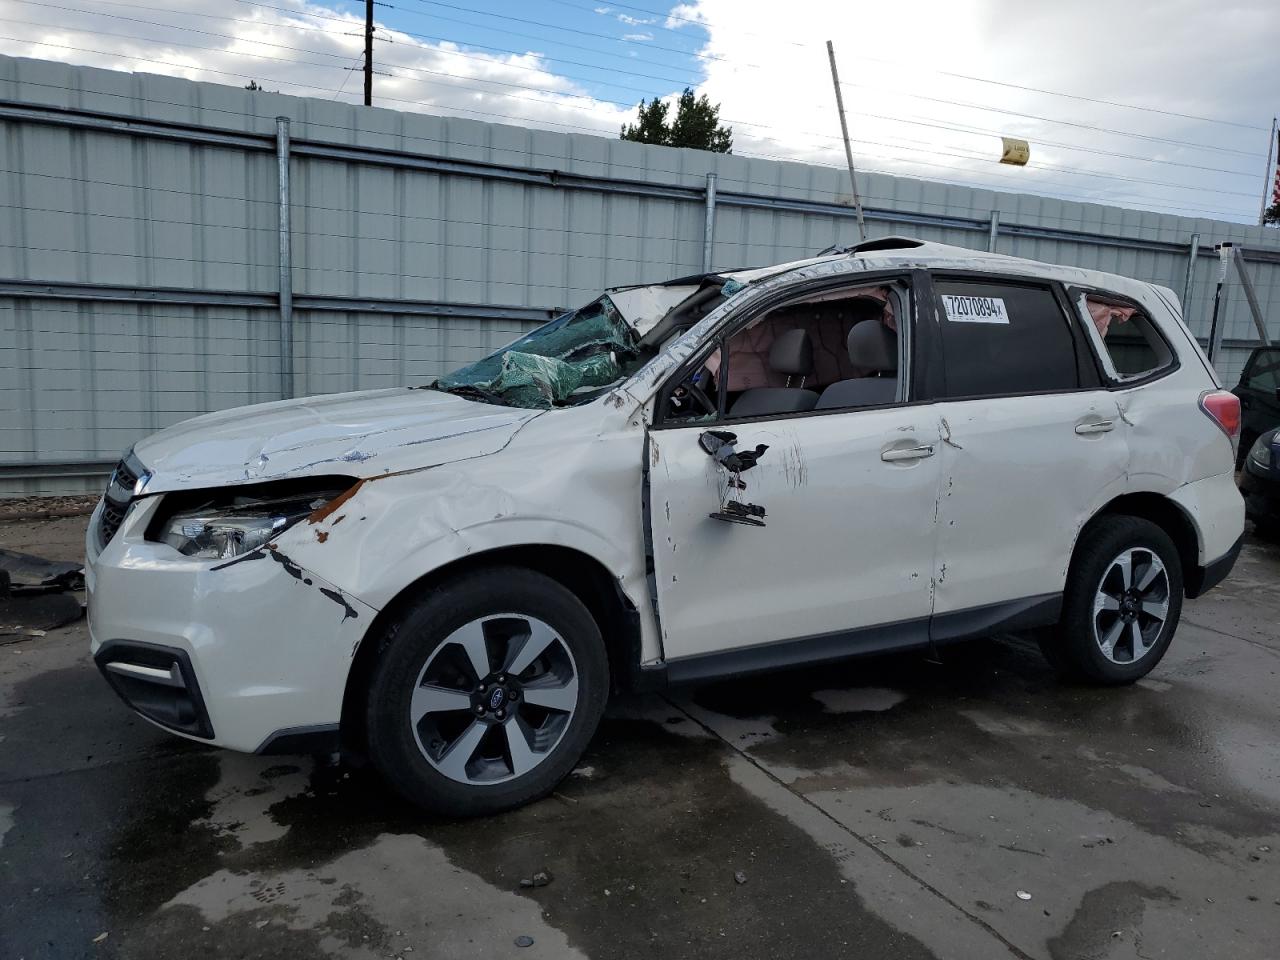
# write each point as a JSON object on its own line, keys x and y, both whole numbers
{"x": 897, "y": 119}
{"x": 1065, "y": 123}
{"x": 552, "y": 26}
{"x": 521, "y": 120}
{"x": 179, "y": 66}
{"x": 705, "y": 25}
{"x": 178, "y": 43}
{"x": 567, "y": 94}
{"x": 711, "y": 57}
{"x": 214, "y": 16}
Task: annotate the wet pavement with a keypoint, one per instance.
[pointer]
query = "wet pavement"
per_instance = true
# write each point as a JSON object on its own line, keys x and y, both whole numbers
{"x": 883, "y": 808}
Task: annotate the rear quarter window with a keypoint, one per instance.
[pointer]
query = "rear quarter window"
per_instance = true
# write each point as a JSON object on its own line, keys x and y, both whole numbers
{"x": 1004, "y": 338}
{"x": 1126, "y": 339}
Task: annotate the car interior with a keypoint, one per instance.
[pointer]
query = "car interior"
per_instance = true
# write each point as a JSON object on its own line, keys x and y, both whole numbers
{"x": 1128, "y": 336}
{"x": 832, "y": 351}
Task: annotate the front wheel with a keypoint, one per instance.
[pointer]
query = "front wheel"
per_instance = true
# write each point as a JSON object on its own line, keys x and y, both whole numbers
{"x": 486, "y": 693}
{"x": 1121, "y": 605}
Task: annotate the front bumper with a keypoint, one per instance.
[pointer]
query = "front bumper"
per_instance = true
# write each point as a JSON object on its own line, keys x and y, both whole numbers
{"x": 242, "y": 655}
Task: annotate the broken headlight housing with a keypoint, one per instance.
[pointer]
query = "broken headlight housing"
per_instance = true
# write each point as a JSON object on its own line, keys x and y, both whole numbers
{"x": 237, "y": 522}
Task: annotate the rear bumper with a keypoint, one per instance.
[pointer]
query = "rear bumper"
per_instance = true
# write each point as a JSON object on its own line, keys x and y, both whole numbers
{"x": 1204, "y": 578}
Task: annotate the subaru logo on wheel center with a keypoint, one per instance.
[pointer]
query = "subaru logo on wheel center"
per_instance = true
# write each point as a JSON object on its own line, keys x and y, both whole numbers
{"x": 496, "y": 698}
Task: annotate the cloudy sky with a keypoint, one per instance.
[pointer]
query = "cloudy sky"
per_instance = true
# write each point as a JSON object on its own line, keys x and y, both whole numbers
{"x": 1163, "y": 104}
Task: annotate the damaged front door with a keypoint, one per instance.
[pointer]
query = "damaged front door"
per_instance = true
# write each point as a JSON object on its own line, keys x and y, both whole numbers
{"x": 847, "y": 541}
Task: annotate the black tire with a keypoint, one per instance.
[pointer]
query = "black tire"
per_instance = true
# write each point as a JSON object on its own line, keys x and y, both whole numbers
{"x": 405, "y": 649}
{"x": 1072, "y": 647}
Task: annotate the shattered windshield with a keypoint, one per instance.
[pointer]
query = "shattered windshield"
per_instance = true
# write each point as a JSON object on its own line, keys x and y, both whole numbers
{"x": 562, "y": 362}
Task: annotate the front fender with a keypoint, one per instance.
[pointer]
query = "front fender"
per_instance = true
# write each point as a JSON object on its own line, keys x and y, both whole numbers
{"x": 397, "y": 529}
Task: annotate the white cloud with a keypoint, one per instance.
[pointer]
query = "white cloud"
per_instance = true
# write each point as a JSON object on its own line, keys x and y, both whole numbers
{"x": 769, "y": 72}
{"x": 305, "y": 56}
{"x": 636, "y": 21}
{"x": 638, "y": 37}
{"x": 683, "y": 15}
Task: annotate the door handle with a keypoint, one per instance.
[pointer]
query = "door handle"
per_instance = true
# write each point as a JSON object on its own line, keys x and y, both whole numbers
{"x": 1095, "y": 426}
{"x": 907, "y": 453}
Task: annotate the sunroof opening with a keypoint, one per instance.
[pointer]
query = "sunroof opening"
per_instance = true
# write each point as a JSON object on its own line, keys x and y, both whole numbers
{"x": 886, "y": 243}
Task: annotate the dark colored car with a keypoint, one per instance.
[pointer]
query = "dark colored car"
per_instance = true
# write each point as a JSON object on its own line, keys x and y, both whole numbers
{"x": 1260, "y": 483}
{"x": 1259, "y": 393}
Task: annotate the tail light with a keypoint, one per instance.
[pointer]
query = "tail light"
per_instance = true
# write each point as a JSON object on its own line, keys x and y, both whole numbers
{"x": 1223, "y": 408}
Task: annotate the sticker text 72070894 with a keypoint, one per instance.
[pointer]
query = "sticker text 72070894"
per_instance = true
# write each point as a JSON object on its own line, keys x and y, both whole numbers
{"x": 975, "y": 309}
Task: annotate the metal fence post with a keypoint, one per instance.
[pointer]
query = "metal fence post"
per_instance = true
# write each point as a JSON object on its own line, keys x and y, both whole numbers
{"x": 286, "y": 259}
{"x": 709, "y": 229}
{"x": 1193, "y": 251}
{"x": 1259, "y": 321}
{"x": 995, "y": 231}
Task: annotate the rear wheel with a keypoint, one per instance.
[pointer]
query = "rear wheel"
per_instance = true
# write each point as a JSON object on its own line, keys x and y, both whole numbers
{"x": 487, "y": 692}
{"x": 1121, "y": 605}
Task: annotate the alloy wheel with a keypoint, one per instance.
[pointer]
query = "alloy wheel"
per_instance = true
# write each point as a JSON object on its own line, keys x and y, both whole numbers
{"x": 1131, "y": 605}
{"x": 494, "y": 699}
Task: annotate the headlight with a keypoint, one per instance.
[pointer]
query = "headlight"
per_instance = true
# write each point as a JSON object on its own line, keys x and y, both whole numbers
{"x": 230, "y": 527}
{"x": 1261, "y": 452}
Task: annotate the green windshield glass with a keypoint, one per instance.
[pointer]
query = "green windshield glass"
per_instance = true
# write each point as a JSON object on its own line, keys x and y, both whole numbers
{"x": 585, "y": 349}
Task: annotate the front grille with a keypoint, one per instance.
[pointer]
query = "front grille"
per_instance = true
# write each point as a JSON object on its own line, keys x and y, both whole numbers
{"x": 109, "y": 523}
{"x": 116, "y": 500}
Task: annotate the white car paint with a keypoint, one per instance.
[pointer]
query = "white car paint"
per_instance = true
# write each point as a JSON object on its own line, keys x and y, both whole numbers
{"x": 849, "y": 540}
{"x": 852, "y": 540}
{"x": 643, "y": 307}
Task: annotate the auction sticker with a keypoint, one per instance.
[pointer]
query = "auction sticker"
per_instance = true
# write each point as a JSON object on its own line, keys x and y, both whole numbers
{"x": 975, "y": 309}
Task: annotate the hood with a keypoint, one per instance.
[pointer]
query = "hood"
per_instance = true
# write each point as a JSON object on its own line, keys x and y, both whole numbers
{"x": 363, "y": 434}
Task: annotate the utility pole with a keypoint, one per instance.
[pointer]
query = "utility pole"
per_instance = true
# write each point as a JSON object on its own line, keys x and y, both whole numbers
{"x": 1268, "y": 176}
{"x": 848, "y": 151}
{"x": 368, "y": 53}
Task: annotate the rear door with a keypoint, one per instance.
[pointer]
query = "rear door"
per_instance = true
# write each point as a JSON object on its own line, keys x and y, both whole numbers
{"x": 1032, "y": 446}
{"x": 1259, "y": 393}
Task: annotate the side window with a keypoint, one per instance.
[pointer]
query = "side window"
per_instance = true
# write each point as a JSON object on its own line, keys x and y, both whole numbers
{"x": 835, "y": 350}
{"x": 1127, "y": 340}
{"x": 1004, "y": 338}
{"x": 1264, "y": 372}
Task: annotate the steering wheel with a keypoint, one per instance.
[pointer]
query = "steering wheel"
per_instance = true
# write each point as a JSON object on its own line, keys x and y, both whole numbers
{"x": 698, "y": 395}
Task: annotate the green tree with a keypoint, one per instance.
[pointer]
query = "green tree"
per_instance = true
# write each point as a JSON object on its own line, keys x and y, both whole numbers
{"x": 650, "y": 126}
{"x": 696, "y": 125}
{"x": 1273, "y": 213}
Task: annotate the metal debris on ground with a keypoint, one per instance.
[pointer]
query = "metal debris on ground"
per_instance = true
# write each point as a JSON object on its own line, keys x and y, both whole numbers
{"x": 34, "y": 597}
{"x": 1023, "y": 895}
{"x": 539, "y": 879}
{"x": 29, "y": 573}
{"x": 524, "y": 940}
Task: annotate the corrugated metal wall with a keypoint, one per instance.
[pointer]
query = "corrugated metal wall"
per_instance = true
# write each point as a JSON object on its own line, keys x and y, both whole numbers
{"x": 139, "y": 247}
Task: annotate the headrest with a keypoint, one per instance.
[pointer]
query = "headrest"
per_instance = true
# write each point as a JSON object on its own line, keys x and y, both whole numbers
{"x": 792, "y": 353}
{"x": 873, "y": 346}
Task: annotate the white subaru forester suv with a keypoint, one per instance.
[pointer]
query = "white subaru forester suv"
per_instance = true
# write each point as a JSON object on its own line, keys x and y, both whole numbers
{"x": 895, "y": 446}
